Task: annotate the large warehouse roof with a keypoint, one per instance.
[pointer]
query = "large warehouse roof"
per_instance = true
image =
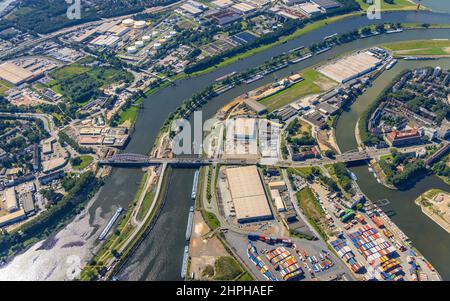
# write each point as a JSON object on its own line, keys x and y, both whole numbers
{"x": 14, "y": 74}
{"x": 248, "y": 193}
{"x": 350, "y": 67}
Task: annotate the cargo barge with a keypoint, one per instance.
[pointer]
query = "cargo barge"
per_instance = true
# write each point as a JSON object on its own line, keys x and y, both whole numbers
{"x": 391, "y": 64}
{"x": 253, "y": 79}
{"x": 185, "y": 262}
{"x": 189, "y": 224}
{"x": 299, "y": 59}
{"x": 194, "y": 185}
{"x": 110, "y": 223}
{"x": 323, "y": 50}
{"x": 225, "y": 76}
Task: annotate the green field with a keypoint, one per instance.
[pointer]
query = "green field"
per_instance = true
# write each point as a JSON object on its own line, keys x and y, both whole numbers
{"x": 4, "y": 86}
{"x": 80, "y": 84}
{"x": 305, "y": 172}
{"x": 85, "y": 161}
{"x": 128, "y": 115}
{"x": 312, "y": 209}
{"x": 313, "y": 83}
{"x": 146, "y": 203}
{"x": 211, "y": 220}
{"x": 397, "y": 5}
{"x": 226, "y": 268}
{"x": 420, "y": 47}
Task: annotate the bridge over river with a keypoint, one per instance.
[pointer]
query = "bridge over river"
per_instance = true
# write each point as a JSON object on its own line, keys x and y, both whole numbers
{"x": 137, "y": 160}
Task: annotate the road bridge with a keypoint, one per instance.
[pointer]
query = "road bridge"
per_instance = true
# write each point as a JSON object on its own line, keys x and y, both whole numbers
{"x": 138, "y": 160}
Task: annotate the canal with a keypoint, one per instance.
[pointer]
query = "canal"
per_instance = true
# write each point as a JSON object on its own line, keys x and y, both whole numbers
{"x": 50, "y": 259}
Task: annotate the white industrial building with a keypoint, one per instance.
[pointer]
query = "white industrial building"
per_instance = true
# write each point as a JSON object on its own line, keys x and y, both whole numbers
{"x": 248, "y": 194}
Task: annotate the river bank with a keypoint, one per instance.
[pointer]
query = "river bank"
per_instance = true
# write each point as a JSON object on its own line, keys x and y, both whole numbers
{"x": 435, "y": 204}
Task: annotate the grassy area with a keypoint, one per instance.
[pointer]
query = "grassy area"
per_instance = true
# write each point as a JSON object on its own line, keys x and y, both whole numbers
{"x": 82, "y": 162}
{"x": 313, "y": 83}
{"x": 146, "y": 203}
{"x": 4, "y": 86}
{"x": 397, "y": 5}
{"x": 80, "y": 84}
{"x": 420, "y": 47}
{"x": 211, "y": 220}
{"x": 312, "y": 209}
{"x": 305, "y": 172}
{"x": 129, "y": 115}
{"x": 245, "y": 277}
{"x": 226, "y": 268}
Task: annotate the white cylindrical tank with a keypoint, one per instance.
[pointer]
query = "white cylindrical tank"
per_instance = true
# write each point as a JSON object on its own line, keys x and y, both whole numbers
{"x": 128, "y": 22}
{"x": 146, "y": 38}
{"x": 157, "y": 45}
{"x": 131, "y": 50}
{"x": 139, "y": 44}
{"x": 140, "y": 24}
{"x": 155, "y": 33}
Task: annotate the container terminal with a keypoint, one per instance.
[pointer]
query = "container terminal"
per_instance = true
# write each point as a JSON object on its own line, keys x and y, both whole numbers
{"x": 189, "y": 224}
{"x": 110, "y": 223}
{"x": 194, "y": 186}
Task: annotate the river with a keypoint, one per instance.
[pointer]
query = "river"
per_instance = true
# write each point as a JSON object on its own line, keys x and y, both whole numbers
{"x": 57, "y": 258}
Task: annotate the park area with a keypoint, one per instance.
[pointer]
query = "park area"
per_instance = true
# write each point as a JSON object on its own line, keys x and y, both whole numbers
{"x": 313, "y": 83}
{"x": 420, "y": 47}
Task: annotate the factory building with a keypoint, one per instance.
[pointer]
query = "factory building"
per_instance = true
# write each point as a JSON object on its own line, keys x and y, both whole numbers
{"x": 14, "y": 74}
{"x": 248, "y": 194}
{"x": 10, "y": 200}
{"x": 12, "y": 217}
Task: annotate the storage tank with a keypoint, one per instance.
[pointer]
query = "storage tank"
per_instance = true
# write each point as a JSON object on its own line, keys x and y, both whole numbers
{"x": 157, "y": 45}
{"x": 146, "y": 38}
{"x": 131, "y": 50}
{"x": 140, "y": 24}
{"x": 139, "y": 44}
{"x": 155, "y": 33}
{"x": 128, "y": 22}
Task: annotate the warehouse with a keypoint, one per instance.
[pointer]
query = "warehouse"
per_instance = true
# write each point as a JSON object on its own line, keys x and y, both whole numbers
{"x": 14, "y": 74}
{"x": 12, "y": 218}
{"x": 248, "y": 194}
{"x": 350, "y": 67}
{"x": 244, "y": 8}
{"x": 10, "y": 200}
{"x": 223, "y": 3}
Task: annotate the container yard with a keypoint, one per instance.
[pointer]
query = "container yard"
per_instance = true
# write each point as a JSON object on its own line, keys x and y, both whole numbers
{"x": 285, "y": 259}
